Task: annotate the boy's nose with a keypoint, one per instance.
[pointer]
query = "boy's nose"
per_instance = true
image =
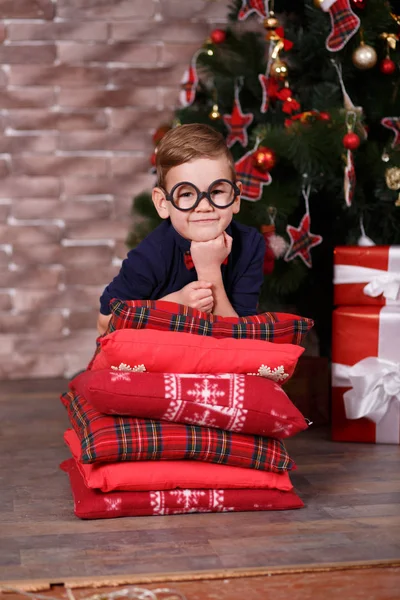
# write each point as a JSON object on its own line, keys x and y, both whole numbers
{"x": 202, "y": 204}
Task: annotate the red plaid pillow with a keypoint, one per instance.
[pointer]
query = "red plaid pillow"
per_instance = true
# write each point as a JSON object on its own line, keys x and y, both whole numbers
{"x": 143, "y": 475}
{"x": 231, "y": 402}
{"x": 281, "y": 328}
{"x": 165, "y": 351}
{"x": 109, "y": 439}
{"x": 93, "y": 504}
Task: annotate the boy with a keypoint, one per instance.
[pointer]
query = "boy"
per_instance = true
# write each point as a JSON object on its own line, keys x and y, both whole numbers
{"x": 198, "y": 256}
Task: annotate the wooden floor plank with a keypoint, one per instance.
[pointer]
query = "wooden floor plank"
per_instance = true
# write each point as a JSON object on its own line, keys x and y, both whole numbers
{"x": 351, "y": 491}
{"x": 353, "y": 584}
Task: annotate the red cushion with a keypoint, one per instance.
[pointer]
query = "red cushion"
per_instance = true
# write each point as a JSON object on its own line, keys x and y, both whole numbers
{"x": 169, "y": 351}
{"x": 94, "y": 504}
{"x": 105, "y": 438}
{"x": 171, "y": 474}
{"x": 232, "y": 402}
{"x": 280, "y": 328}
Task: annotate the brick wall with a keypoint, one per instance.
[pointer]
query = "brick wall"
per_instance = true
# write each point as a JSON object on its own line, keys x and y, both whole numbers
{"x": 83, "y": 84}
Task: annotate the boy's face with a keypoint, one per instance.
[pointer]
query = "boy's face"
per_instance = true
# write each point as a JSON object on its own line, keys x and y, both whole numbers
{"x": 205, "y": 222}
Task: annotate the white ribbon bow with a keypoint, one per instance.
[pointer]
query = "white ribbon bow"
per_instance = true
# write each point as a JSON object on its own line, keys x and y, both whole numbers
{"x": 379, "y": 282}
{"x": 387, "y": 284}
{"x": 375, "y": 384}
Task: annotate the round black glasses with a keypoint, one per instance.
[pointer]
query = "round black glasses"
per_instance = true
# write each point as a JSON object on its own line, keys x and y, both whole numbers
{"x": 186, "y": 196}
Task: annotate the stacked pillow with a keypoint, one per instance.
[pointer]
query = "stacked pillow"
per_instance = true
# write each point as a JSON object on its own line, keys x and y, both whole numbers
{"x": 181, "y": 411}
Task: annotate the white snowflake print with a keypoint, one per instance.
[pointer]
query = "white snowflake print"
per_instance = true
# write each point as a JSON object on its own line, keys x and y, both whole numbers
{"x": 188, "y": 498}
{"x": 276, "y": 374}
{"x": 279, "y": 427}
{"x": 203, "y": 419}
{"x": 112, "y": 503}
{"x": 206, "y": 392}
{"x": 120, "y": 376}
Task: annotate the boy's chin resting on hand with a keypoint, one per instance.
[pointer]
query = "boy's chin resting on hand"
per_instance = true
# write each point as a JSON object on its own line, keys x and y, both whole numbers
{"x": 208, "y": 256}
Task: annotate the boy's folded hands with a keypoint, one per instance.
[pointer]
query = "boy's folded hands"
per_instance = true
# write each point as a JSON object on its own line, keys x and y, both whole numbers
{"x": 197, "y": 294}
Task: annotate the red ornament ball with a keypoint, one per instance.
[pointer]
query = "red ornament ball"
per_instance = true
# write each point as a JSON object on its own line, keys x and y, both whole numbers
{"x": 387, "y": 66}
{"x": 218, "y": 36}
{"x": 264, "y": 159}
{"x": 159, "y": 133}
{"x": 358, "y": 4}
{"x": 351, "y": 141}
{"x": 153, "y": 159}
{"x": 324, "y": 116}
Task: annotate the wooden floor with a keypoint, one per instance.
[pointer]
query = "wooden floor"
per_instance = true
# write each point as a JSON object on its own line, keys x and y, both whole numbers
{"x": 352, "y": 514}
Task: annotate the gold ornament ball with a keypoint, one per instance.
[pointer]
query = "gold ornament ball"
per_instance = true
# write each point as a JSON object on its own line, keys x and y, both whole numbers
{"x": 392, "y": 177}
{"x": 278, "y": 69}
{"x": 271, "y": 23}
{"x": 364, "y": 57}
{"x": 215, "y": 114}
{"x": 318, "y": 3}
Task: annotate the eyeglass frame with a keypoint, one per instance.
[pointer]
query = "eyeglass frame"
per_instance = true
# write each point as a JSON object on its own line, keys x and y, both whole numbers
{"x": 201, "y": 195}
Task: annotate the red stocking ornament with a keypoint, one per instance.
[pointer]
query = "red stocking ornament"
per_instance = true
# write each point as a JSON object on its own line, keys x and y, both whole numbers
{"x": 349, "y": 178}
{"x": 344, "y": 23}
{"x": 260, "y": 7}
{"x": 269, "y": 257}
{"x": 189, "y": 83}
{"x": 237, "y": 123}
{"x": 393, "y": 123}
{"x": 275, "y": 245}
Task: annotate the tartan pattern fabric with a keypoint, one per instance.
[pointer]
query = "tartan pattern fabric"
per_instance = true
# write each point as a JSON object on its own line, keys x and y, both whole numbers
{"x": 106, "y": 438}
{"x": 149, "y": 314}
{"x": 144, "y": 476}
{"x": 344, "y": 25}
{"x": 252, "y": 179}
{"x": 301, "y": 241}
{"x": 237, "y": 123}
{"x": 281, "y": 328}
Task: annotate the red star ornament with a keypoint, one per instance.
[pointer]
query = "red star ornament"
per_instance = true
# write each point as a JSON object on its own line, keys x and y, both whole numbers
{"x": 258, "y": 6}
{"x": 301, "y": 241}
{"x": 393, "y": 123}
{"x": 270, "y": 88}
{"x": 237, "y": 123}
{"x": 252, "y": 179}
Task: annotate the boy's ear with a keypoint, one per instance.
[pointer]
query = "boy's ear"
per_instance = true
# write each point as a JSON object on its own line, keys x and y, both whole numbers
{"x": 160, "y": 202}
{"x": 236, "y": 204}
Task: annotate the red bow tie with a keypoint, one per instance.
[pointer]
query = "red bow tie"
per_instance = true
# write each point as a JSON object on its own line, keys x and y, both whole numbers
{"x": 187, "y": 257}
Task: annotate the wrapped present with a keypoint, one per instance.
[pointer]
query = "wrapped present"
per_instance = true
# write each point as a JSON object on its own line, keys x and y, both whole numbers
{"x": 366, "y": 275}
{"x": 366, "y": 374}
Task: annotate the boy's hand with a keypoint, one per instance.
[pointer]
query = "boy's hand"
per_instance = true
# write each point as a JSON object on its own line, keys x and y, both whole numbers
{"x": 198, "y": 295}
{"x": 210, "y": 255}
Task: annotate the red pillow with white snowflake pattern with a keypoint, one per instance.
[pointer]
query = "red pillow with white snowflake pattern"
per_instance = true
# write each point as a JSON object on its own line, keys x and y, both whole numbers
{"x": 174, "y": 351}
{"x": 94, "y": 504}
{"x": 232, "y": 402}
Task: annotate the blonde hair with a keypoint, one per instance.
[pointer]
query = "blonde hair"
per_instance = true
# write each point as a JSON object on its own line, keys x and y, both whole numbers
{"x": 188, "y": 142}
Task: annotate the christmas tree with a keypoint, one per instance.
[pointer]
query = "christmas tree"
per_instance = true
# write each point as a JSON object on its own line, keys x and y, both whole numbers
{"x": 307, "y": 94}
